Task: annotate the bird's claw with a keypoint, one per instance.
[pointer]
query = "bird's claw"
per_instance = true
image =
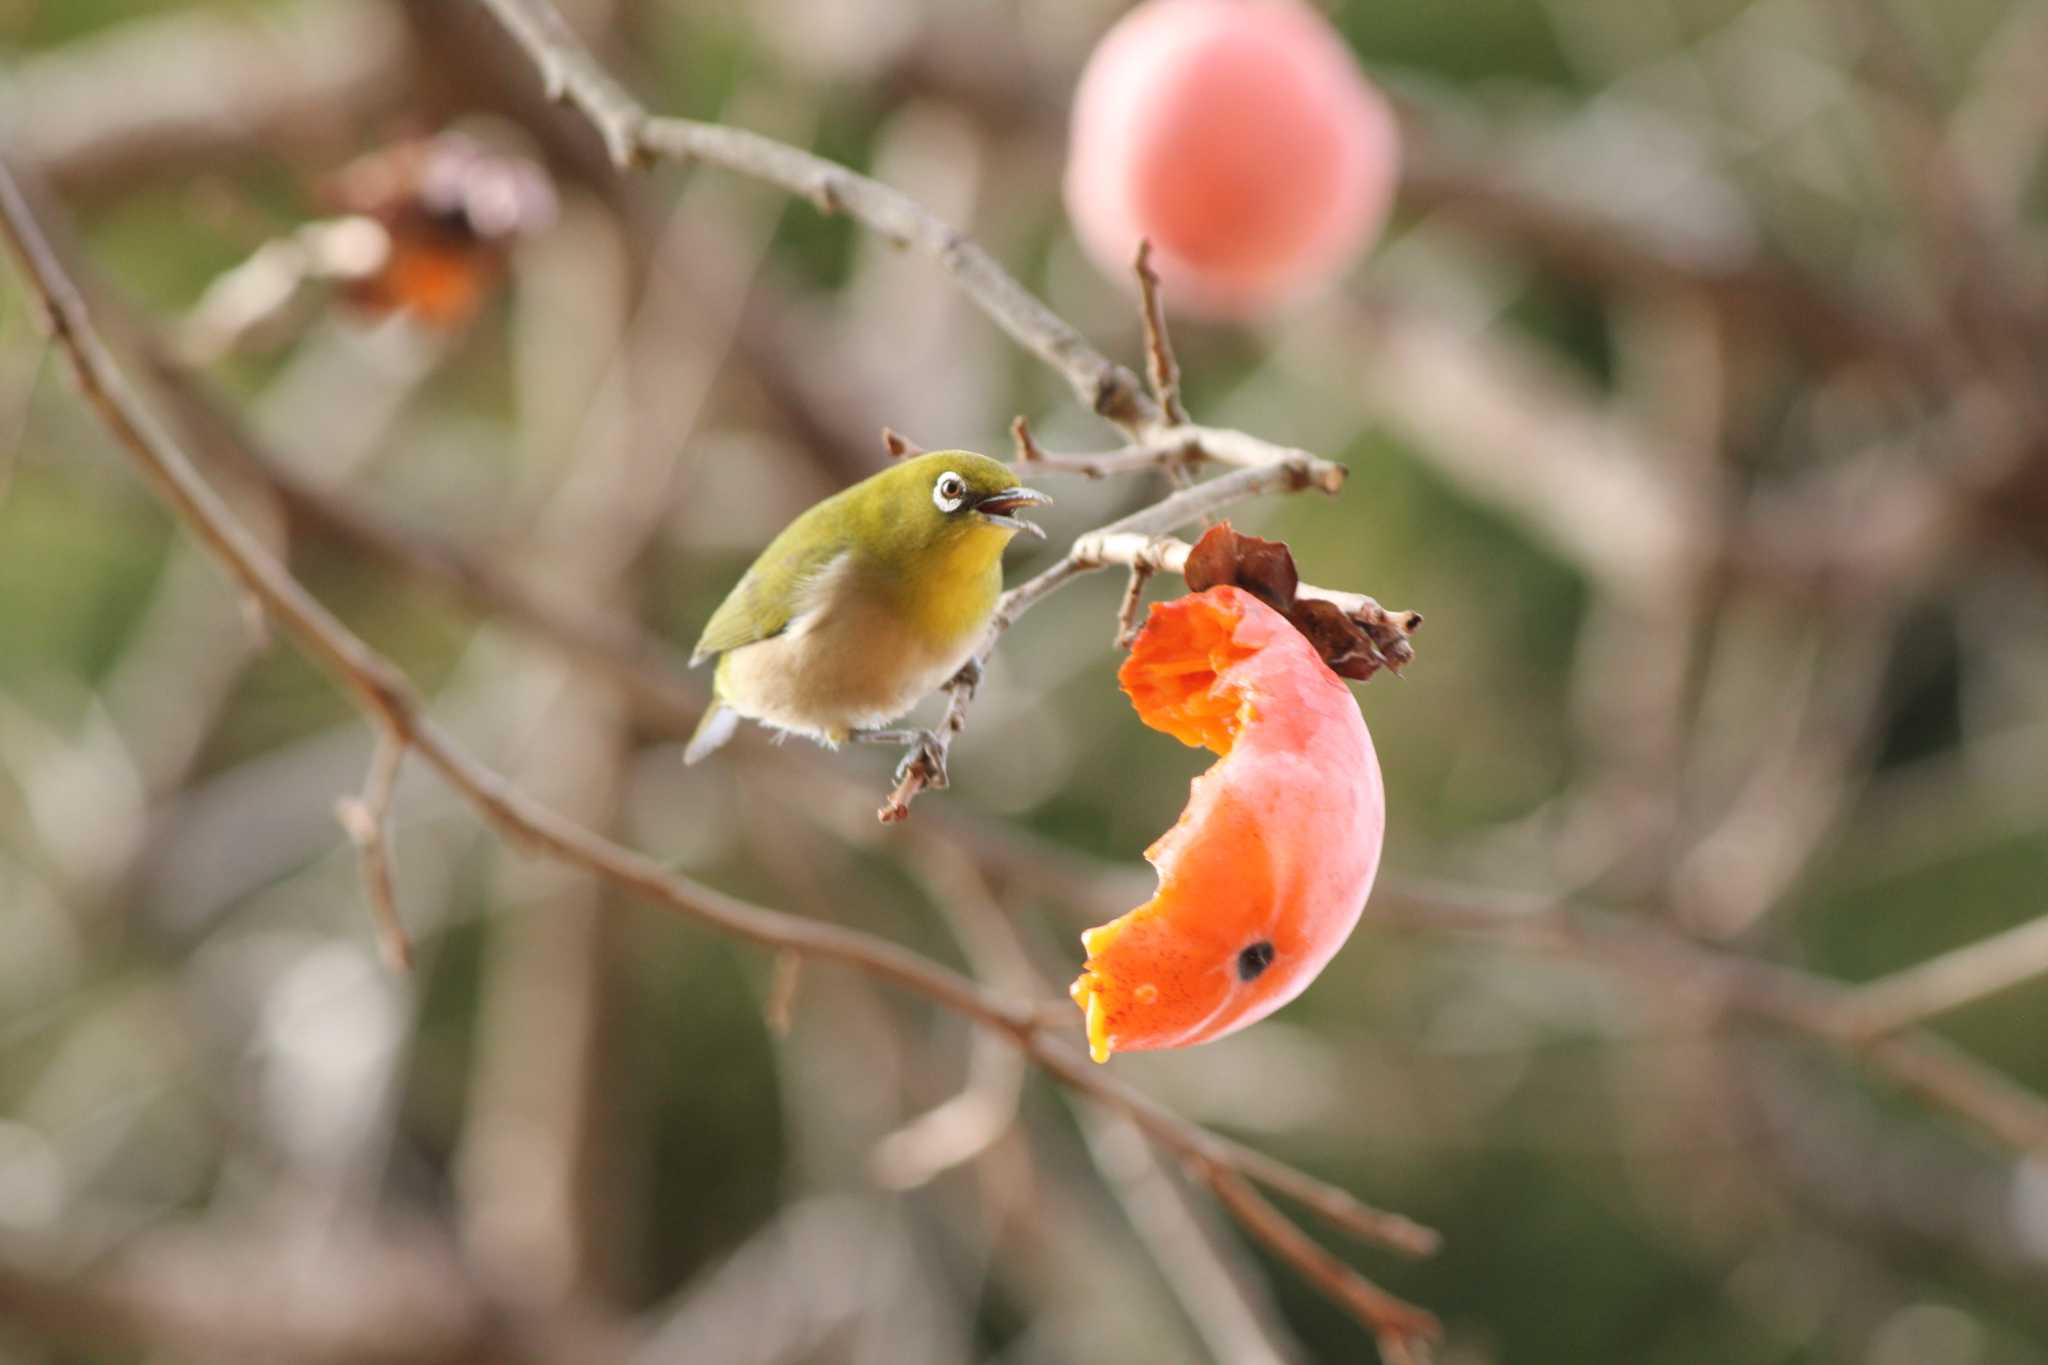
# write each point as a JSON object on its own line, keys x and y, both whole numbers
{"x": 927, "y": 759}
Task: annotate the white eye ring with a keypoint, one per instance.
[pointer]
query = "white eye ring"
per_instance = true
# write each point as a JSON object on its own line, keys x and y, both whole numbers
{"x": 947, "y": 491}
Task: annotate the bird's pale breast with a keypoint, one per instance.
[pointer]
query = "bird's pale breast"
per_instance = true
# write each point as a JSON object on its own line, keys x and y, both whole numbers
{"x": 861, "y": 653}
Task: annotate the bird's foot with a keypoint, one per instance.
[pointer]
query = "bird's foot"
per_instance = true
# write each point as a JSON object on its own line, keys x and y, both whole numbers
{"x": 928, "y": 759}
{"x": 927, "y": 756}
{"x": 926, "y": 751}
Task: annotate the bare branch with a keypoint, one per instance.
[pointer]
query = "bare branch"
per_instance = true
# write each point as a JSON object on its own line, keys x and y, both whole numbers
{"x": 1176, "y": 447}
{"x": 1160, "y": 366}
{"x": 1028, "y": 452}
{"x": 1133, "y": 599}
{"x": 1396, "y": 1325}
{"x": 367, "y": 818}
{"x": 898, "y": 445}
{"x": 1973, "y": 972}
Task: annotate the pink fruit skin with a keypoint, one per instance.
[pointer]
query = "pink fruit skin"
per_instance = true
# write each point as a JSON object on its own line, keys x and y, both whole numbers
{"x": 1241, "y": 137}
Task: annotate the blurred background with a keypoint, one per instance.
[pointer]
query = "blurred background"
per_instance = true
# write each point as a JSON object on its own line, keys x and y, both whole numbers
{"x": 1694, "y": 393}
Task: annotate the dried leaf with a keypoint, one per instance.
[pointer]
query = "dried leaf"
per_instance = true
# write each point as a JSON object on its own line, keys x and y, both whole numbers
{"x": 1265, "y": 569}
{"x": 1213, "y": 561}
{"x": 1335, "y": 635}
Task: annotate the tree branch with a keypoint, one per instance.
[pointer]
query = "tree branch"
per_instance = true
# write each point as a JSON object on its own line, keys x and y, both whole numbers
{"x": 1973, "y": 972}
{"x": 1395, "y": 1325}
{"x": 1160, "y": 366}
{"x": 635, "y": 137}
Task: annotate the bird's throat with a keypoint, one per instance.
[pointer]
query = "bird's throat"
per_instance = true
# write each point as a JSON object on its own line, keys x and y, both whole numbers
{"x": 950, "y": 597}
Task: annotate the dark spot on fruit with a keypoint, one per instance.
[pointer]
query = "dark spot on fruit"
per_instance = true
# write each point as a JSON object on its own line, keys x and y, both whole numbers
{"x": 1254, "y": 960}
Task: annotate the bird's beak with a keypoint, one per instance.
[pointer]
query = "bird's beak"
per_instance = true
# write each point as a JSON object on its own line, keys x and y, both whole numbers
{"x": 996, "y": 507}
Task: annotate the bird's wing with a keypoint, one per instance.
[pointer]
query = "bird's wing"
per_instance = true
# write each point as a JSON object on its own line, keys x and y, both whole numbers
{"x": 774, "y": 592}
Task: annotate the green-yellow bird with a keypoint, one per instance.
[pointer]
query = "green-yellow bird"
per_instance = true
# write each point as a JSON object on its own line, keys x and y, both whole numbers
{"x": 865, "y": 603}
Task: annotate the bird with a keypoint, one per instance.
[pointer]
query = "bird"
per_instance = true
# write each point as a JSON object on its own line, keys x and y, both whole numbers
{"x": 865, "y": 603}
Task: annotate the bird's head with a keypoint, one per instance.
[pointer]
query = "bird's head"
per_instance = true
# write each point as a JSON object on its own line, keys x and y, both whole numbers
{"x": 944, "y": 500}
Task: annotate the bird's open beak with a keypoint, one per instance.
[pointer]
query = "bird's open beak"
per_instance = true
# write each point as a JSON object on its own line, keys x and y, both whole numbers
{"x": 996, "y": 507}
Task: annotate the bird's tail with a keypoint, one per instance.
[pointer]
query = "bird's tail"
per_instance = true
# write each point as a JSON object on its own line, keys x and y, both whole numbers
{"x": 712, "y": 731}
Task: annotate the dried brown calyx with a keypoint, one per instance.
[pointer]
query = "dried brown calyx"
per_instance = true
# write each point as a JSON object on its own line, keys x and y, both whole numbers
{"x": 1355, "y": 636}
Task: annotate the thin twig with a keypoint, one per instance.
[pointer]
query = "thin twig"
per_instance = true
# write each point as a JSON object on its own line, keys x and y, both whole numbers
{"x": 1399, "y": 1327}
{"x": 1127, "y": 609}
{"x": 1973, "y": 972}
{"x": 367, "y": 818}
{"x": 1160, "y": 365}
{"x": 1174, "y": 447}
{"x": 898, "y": 445}
{"x": 1028, "y": 452}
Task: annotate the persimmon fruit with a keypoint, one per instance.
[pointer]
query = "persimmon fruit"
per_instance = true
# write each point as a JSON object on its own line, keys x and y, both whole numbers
{"x": 1242, "y": 139}
{"x": 1268, "y": 868}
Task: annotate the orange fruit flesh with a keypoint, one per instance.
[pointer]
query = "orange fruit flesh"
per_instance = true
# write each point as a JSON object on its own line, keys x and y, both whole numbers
{"x": 1172, "y": 678}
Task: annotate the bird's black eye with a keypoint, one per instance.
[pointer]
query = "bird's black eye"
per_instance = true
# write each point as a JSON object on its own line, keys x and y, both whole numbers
{"x": 948, "y": 490}
{"x": 1254, "y": 960}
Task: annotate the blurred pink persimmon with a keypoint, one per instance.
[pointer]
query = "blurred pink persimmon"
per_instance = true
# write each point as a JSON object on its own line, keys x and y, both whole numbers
{"x": 1241, "y": 137}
